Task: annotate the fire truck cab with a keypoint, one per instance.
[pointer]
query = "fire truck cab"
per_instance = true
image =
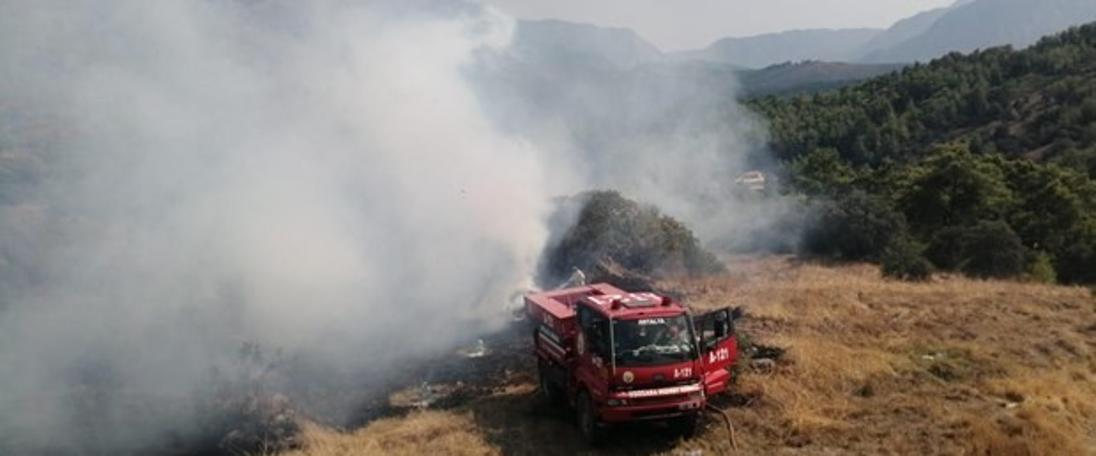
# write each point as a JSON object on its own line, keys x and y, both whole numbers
{"x": 618, "y": 356}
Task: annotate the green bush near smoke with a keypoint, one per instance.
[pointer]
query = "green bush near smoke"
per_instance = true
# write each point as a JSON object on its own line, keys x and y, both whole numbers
{"x": 904, "y": 259}
{"x": 987, "y": 249}
{"x": 990, "y": 249}
{"x": 608, "y": 227}
{"x": 1078, "y": 263}
{"x": 982, "y": 215}
{"x": 856, "y": 227}
{"x": 1042, "y": 269}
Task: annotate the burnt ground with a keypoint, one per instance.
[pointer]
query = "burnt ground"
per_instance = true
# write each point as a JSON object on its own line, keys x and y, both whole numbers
{"x": 499, "y": 389}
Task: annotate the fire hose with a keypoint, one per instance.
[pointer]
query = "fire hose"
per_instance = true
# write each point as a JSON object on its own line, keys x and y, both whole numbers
{"x": 727, "y": 420}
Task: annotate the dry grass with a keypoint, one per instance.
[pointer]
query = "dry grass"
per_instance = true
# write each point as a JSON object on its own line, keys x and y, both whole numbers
{"x": 419, "y": 433}
{"x": 954, "y": 366}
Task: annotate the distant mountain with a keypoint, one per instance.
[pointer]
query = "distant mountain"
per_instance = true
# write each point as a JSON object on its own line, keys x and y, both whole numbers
{"x": 805, "y": 77}
{"x": 553, "y": 40}
{"x": 589, "y": 56}
{"x": 902, "y": 31}
{"x": 964, "y": 26}
{"x": 764, "y": 50}
{"x": 976, "y": 24}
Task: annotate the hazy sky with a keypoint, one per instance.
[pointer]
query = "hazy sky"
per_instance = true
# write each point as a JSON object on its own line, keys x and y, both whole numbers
{"x": 685, "y": 24}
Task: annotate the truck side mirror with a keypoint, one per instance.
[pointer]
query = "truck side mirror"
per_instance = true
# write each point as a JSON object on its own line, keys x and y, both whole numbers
{"x": 721, "y": 329}
{"x": 710, "y": 345}
{"x": 737, "y": 313}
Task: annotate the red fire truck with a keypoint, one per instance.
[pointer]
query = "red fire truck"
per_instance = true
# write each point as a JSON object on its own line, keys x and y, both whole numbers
{"x": 618, "y": 356}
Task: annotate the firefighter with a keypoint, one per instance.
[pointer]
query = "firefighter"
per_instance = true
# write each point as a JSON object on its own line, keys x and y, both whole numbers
{"x": 577, "y": 279}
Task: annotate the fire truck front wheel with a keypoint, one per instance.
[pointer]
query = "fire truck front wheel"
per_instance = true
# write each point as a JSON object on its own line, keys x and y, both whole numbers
{"x": 686, "y": 425}
{"x": 587, "y": 419}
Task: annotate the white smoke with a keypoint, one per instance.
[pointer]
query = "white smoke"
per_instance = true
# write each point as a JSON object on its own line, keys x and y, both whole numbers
{"x": 319, "y": 177}
{"x": 668, "y": 133}
{"x": 309, "y": 175}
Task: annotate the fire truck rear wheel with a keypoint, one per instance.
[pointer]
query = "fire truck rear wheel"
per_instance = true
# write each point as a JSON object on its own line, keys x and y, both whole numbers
{"x": 548, "y": 390}
{"x": 587, "y": 419}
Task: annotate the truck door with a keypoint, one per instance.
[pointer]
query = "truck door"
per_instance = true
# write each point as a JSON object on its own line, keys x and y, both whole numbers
{"x": 592, "y": 350}
{"x": 718, "y": 348}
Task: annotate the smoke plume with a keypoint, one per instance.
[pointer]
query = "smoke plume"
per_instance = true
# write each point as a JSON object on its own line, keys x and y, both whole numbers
{"x": 666, "y": 132}
{"x": 308, "y": 175}
{"x": 337, "y": 180}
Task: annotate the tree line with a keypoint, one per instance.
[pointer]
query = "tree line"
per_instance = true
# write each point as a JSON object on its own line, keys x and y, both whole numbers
{"x": 979, "y": 163}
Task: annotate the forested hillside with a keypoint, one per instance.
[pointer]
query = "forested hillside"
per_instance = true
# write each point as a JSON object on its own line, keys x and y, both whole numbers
{"x": 806, "y": 77}
{"x": 981, "y": 163}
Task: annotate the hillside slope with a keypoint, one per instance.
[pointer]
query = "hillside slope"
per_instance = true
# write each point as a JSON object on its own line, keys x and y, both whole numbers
{"x": 873, "y": 366}
{"x": 902, "y": 31}
{"x": 807, "y": 77}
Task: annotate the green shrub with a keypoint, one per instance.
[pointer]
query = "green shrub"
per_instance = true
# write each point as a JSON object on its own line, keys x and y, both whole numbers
{"x": 1042, "y": 268}
{"x": 987, "y": 249}
{"x": 821, "y": 172}
{"x": 856, "y": 227}
{"x": 953, "y": 187}
{"x": 605, "y": 226}
{"x": 946, "y": 248}
{"x": 1077, "y": 262}
{"x": 992, "y": 250}
{"x": 904, "y": 259}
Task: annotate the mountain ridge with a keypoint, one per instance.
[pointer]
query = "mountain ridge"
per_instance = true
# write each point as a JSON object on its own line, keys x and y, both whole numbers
{"x": 981, "y": 24}
{"x": 556, "y": 39}
{"x": 964, "y": 26}
{"x": 768, "y": 49}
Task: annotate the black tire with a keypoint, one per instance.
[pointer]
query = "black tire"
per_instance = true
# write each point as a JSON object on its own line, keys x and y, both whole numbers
{"x": 549, "y": 391}
{"x": 687, "y": 425}
{"x": 588, "y": 424}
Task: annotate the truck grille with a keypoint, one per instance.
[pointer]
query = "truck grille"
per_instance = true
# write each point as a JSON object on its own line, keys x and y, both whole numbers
{"x": 658, "y": 384}
{"x": 657, "y": 400}
{"x": 657, "y": 413}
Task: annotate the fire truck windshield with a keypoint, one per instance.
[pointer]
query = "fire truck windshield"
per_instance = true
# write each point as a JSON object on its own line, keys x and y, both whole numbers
{"x": 652, "y": 341}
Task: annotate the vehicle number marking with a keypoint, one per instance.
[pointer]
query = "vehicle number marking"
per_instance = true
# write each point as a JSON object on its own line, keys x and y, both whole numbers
{"x": 722, "y": 354}
{"x": 683, "y": 372}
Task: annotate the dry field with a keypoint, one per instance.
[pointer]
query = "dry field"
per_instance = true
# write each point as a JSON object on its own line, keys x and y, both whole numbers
{"x": 953, "y": 366}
